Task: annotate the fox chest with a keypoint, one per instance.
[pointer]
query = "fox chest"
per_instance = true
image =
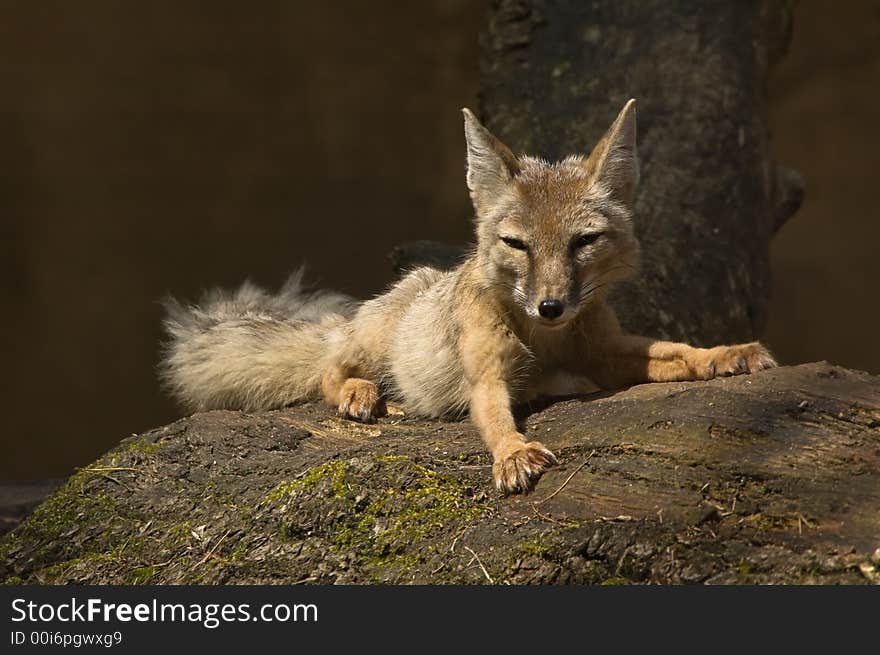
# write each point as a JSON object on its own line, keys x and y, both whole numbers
{"x": 554, "y": 383}
{"x": 552, "y": 370}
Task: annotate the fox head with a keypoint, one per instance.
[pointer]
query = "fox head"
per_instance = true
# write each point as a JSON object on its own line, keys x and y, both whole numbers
{"x": 551, "y": 237}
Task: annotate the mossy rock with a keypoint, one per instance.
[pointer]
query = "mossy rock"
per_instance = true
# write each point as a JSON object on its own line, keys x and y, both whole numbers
{"x": 758, "y": 479}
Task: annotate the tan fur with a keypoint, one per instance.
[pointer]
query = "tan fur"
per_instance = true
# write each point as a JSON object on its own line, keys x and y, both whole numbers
{"x": 472, "y": 339}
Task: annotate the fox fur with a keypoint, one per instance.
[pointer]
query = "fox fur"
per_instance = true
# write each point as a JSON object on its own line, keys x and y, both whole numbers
{"x": 525, "y": 314}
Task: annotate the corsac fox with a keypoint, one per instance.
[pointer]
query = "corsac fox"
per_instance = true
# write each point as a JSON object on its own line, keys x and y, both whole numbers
{"x": 525, "y": 314}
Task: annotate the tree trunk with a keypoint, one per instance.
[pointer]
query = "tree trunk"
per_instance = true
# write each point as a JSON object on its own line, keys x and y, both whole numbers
{"x": 755, "y": 479}
{"x": 554, "y": 74}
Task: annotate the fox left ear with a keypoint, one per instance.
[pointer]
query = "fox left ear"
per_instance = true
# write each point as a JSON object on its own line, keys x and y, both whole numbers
{"x": 614, "y": 162}
{"x": 491, "y": 166}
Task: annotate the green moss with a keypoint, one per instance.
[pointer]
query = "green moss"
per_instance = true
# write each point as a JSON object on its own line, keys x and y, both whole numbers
{"x": 614, "y": 581}
{"x": 144, "y": 447}
{"x": 52, "y": 573}
{"x": 333, "y": 472}
{"x": 239, "y": 553}
{"x": 176, "y": 539}
{"x": 142, "y": 575}
{"x": 9, "y": 543}
{"x": 76, "y": 525}
{"x": 536, "y": 547}
{"x": 383, "y": 527}
{"x": 59, "y": 513}
{"x": 105, "y": 502}
{"x": 179, "y": 533}
{"x": 383, "y": 515}
{"x": 13, "y": 580}
{"x": 114, "y": 557}
{"x": 394, "y": 519}
{"x": 391, "y": 459}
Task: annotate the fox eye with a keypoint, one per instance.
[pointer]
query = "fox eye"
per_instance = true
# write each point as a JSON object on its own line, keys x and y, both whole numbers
{"x": 515, "y": 243}
{"x": 586, "y": 240}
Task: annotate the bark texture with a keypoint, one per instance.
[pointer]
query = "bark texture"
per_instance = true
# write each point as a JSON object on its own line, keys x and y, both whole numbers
{"x": 554, "y": 74}
{"x": 767, "y": 478}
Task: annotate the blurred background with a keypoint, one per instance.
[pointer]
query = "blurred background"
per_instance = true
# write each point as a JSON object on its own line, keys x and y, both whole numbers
{"x": 154, "y": 148}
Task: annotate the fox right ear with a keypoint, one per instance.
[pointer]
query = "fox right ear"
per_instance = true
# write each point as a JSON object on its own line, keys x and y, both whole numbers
{"x": 614, "y": 162}
{"x": 491, "y": 166}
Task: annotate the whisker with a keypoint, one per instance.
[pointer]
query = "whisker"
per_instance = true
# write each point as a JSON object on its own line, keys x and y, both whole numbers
{"x": 597, "y": 284}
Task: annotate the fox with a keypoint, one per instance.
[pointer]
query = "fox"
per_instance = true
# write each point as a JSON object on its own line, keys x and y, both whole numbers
{"x": 525, "y": 314}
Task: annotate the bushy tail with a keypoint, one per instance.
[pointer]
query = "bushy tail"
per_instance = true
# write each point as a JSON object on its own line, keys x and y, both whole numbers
{"x": 251, "y": 350}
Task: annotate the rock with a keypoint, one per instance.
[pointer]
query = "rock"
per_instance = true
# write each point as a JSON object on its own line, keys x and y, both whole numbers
{"x": 416, "y": 504}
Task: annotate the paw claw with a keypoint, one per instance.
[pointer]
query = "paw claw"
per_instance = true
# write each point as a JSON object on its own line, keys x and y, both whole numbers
{"x": 518, "y": 470}
{"x": 737, "y": 360}
{"x": 361, "y": 401}
{"x": 710, "y": 370}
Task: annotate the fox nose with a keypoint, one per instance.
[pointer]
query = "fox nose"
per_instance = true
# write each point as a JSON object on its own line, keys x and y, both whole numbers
{"x": 551, "y": 308}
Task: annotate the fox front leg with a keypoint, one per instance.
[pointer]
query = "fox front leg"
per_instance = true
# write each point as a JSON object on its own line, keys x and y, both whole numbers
{"x": 518, "y": 463}
{"x": 631, "y": 360}
{"x": 491, "y": 357}
{"x": 614, "y": 359}
{"x": 707, "y": 363}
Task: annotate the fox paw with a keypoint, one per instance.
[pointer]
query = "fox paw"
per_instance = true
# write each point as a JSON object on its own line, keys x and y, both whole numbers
{"x": 736, "y": 360}
{"x": 361, "y": 401}
{"x": 518, "y": 469}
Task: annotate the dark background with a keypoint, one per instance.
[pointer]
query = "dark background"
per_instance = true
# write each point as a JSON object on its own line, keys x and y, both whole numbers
{"x": 148, "y": 148}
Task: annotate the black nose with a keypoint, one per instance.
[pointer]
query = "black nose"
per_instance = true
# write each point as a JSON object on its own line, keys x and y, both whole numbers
{"x": 550, "y": 308}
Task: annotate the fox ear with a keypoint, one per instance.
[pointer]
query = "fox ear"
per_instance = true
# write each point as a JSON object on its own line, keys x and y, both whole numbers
{"x": 614, "y": 163}
{"x": 491, "y": 166}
